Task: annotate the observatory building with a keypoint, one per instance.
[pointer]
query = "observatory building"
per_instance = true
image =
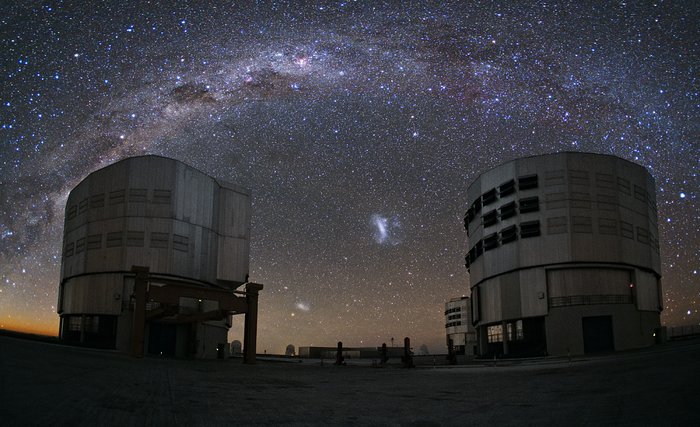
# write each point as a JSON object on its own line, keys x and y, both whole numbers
{"x": 563, "y": 256}
{"x": 154, "y": 252}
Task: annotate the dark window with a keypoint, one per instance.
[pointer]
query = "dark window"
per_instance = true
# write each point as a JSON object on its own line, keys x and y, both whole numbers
{"x": 467, "y": 261}
{"x": 468, "y": 217}
{"x": 491, "y": 241}
{"x": 479, "y": 248}
{"x": 507, "y": 210}
{"x": 529, "y": 204}
{"x": 557, "y": 225}
{"x": 626, "y": 229}
{"x": 581, "y": 224}
{"x": 72, "y": 212}
{"x": 529, "y": 229}
{"x": 623, "y": 186}
{"x": 578, "y": 177}
{"x": 97, "y": 201}
{"x": 82, "y": 206}
{"x": 506, "y": 188}
{"x": 94, "y": 241}
{"x": 607, "y": 226}
{"x": 554, "y": 178}
{"x": 80, "y": 245}
{"x": 180, "y": 243}
{"x": 490, "y": 218}
{"x": 160, "y": 240}
{"x": 509, "y": 234}
{"x": 137, "y": 195}
{"x": 114, "y": 239}
{"x": 134, "y": 238}
{"x": 527, "y": 182}
{"x": 161, "y": 197}
{"x": 116, "y": 197}
{"x": 643, "y": 235}
{"x": 70, "y": 247}
{"x": 604, "y": 180}
{"x": 489, "y": 197}
{"x": 476, "y": 206}
{"x": 640, "y": 194}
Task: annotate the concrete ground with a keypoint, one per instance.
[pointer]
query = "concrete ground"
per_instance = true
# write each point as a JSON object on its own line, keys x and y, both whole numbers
{"x": 46, "y": 384}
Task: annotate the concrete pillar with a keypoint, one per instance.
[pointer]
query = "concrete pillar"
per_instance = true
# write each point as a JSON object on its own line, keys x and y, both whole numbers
{"x": 505, "y": 337}
{"x": 250, "y": 333}
{"x": 138, "y": 326}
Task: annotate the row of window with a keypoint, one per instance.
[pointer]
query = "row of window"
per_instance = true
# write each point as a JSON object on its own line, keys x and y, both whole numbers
{"x": 454, "y": 316}
{"x": 507, "y": 235}
{"x": 561, "y": 225}
{"x": 526, "y": 182}
{"x": 453, "y": 310}
{"x": 509, "y": 210}
{"x": 130, "y": 239}
{"x": 113, "y": 198}
{"x": 457, "y": 323}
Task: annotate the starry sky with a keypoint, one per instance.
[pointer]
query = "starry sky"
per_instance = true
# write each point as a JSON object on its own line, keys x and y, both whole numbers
{"x": 358, "y": 126}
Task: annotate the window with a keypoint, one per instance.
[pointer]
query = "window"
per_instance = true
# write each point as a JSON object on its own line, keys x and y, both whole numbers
{"x": 529, "y": 229}
{"x": 114, "y": 239}
{"x": 72, "y": 212}
{"x": 623, "y": 186}
{"x": 506, "y": 188}
{"x": 116, "y": 197}
{"x": 476, "y": 206}
{"x": 604, "y": 180}
{"x": 507, "y": 210}
{"x": 80, "y": 245}
{"x": 640, "y": 194}
{"x": 70, "y": 247}
{"x": 529, "y": 204}
{"x": 180, "y": 243}
{"x": 557, "y": 225}
{"x": 607, "y": 226}
{"x": 74, "y": 323}
{"x": 643, "y": 235}
{"x": 509, "y": 234}
{"x": 161, "y": 197}
{"x": 581, "y": 224}
{"x": 489, "y": 197}
{"x": 627, "y": 230}
{"x": 490, "y": 218}
{"x": 494, "y": 333}
{"x": 137, "y": 195}
{"x": 134, "y": 238}
{"x": 97, "y": 201}
{"x": 82, "y": 206}
{"x": 160, "y": 240}
{"x": 491, "y": 241}
{"x": 527, "y": 182}
{"x": 578, "y": 177}
{"x": 467, "y": 261}
{"x": 94, "y": 241}
{"x": 554, "y": 178}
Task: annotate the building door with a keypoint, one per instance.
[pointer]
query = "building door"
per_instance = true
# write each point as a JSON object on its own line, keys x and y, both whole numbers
{"x": 598, "y": 334}
{"x": 162, "y": 338}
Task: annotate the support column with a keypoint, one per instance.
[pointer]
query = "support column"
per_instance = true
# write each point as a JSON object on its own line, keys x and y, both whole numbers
{"x": 138, "y": 326}
{"x": 505, "y": 337}
{"x": 250, "y": 335}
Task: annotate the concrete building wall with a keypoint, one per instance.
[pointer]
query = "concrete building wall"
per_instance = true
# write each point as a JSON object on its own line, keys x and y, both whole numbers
{"x": 564, "y": 229}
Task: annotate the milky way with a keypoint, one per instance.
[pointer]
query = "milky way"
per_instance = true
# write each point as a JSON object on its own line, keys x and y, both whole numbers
{"x": 334, "y": 113}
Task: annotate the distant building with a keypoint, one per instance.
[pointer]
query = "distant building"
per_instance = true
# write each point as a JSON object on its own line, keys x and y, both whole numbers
{"x": 563, "y": 256}
{"x": 153, "y": 253}
{"x": 458, "y": 326}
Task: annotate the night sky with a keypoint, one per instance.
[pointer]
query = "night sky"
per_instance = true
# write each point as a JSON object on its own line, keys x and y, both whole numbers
{"x": 358, "y": 126}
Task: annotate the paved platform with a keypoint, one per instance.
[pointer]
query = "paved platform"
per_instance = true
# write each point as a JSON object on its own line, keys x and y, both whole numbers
{"x": 45, "y": 384}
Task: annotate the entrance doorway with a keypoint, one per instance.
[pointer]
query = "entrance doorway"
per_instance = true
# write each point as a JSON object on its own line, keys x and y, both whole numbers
{"x": 598, "y": 334}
